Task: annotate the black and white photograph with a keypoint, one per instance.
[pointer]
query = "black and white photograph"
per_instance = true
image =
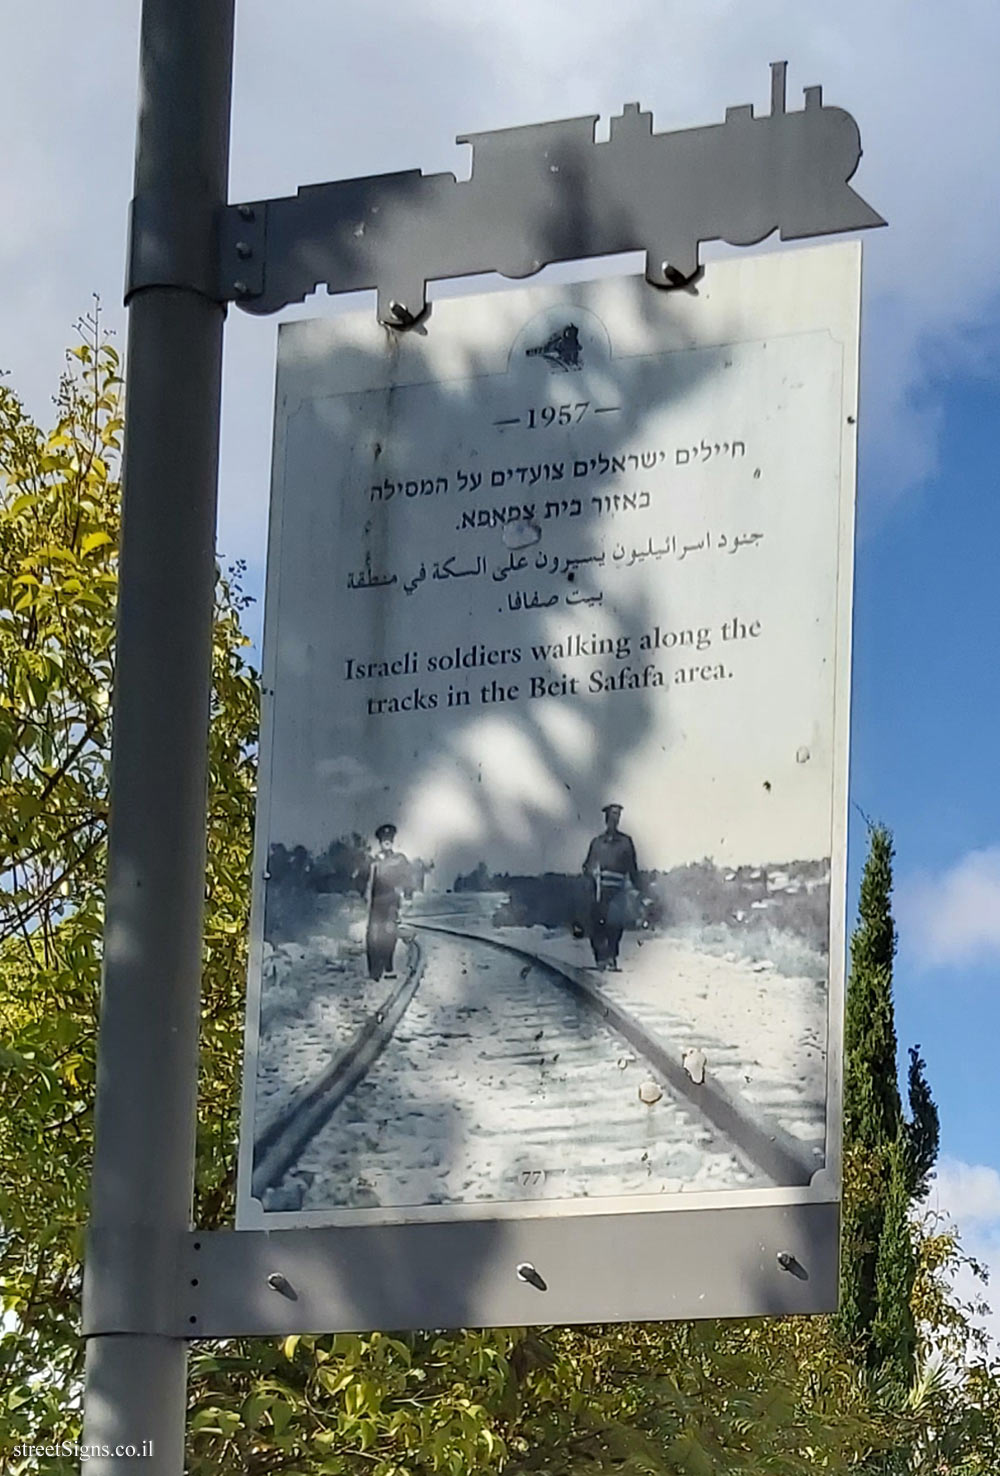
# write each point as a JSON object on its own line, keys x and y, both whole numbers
{"x": 552, "y": 785}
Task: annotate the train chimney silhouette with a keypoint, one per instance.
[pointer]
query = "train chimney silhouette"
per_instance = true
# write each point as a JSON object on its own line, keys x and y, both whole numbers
{"x": 778, "y": 74}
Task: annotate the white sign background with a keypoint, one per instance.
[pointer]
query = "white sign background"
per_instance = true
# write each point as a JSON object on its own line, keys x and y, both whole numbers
{"x": 516, "y": 573}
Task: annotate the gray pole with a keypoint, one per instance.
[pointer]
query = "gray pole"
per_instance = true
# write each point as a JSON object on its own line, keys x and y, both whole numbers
{"x": 148, "y": 1051}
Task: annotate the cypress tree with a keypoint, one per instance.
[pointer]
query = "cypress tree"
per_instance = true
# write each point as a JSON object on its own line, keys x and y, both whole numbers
{"x": 887, "y": 1159}
{"x": 872, "y": 1109}
{"x": 893, "y": 1332}
{"x": 923, "y": 1131}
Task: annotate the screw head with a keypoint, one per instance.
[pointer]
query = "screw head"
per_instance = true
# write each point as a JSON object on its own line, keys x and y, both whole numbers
{"x": 245, "y": 212}
{"x": 243, "y": 249}
{"x": 525, "y": 1271}
{"x": 241, "y": 289}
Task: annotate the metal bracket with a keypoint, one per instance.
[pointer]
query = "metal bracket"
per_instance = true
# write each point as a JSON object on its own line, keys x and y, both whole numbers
{"x": 538, "y": 194}
{"x": 236, "y": 1283}
{"x": 173, "y": 246}
{"x": 550, "y": 192}
{"x": 132, "y": 1280}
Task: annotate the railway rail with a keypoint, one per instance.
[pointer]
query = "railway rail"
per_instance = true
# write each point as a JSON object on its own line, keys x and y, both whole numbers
{"x": 493, "y": 1072}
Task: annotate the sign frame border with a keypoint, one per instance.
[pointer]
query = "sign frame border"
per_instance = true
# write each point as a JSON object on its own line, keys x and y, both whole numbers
{"x": 783, "y": 1241}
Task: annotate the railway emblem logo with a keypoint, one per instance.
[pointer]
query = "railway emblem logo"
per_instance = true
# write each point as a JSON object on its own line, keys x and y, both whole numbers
{"x": 562, "y": 350}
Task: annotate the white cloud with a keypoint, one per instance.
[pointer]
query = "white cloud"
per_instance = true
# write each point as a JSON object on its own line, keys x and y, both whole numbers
{"x": 923, "y": 167}
{"x": 952, "y": 917}
{"x": 968, "y": 1192}
{"x": 969, "y": 1195}
{"x": 366, "y": 86}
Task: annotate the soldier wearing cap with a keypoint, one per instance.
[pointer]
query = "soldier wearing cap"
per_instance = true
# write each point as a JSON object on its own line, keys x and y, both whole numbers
{"x": 388, "y": 881}
{"x": 612, "y": 867}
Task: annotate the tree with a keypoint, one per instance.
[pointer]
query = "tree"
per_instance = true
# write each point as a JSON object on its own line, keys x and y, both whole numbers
{"x": 871, "y": 1094}
{"x": 893, "y": 1333}
{"x": 59, "y": 523}
{"x": 887, "y": 1159}
{"x": 785, "y": 1397}
{"x": 935, "y": 1377}
{"x": 923, "y": 1131}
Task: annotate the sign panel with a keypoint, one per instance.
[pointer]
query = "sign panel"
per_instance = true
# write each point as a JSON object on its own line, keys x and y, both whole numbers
{"x": 550, "y": 860}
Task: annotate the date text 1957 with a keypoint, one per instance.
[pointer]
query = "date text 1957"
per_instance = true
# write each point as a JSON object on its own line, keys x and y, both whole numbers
{"x": 538, "y": 417}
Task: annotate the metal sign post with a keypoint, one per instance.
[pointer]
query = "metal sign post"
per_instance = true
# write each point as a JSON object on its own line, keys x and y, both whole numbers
{"x": 148, "y": 1063}
{"x": 537, "y": 194}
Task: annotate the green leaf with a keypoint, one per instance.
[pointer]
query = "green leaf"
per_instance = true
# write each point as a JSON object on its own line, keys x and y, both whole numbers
{"x": 281, "y": 1415}
{"x": 98, "y": 539}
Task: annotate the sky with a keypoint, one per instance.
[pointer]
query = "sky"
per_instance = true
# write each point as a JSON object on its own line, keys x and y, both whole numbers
{"x": 328, "y": 91}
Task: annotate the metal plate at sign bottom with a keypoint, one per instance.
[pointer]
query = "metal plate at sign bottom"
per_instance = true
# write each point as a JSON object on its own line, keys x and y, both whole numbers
{"x": 768, "y": 1260}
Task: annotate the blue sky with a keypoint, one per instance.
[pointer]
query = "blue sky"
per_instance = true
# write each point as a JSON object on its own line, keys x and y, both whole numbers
{"x": 327, "y": 91}
{"x": 926, "y": 708}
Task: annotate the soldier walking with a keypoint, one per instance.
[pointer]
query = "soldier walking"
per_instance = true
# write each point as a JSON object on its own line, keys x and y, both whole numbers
{"x": 388, "y": 880}
{"x": 612, "y": 867}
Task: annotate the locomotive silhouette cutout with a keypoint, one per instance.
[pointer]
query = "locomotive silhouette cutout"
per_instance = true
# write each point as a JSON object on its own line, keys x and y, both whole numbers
{"x": 561, "y": 350}
{"x": 550, "y": 192}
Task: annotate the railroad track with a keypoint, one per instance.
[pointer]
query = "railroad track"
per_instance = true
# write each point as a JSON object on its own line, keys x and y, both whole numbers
{"x": 495, "y": 1074}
